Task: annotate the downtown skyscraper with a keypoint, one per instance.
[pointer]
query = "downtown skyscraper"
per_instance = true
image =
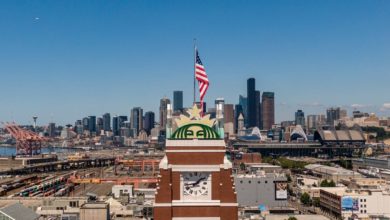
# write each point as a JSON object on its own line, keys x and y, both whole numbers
{"x": 107, "y": 122}
{"x": 163, "y": 112}
{"x": 136, "y": 119}
{"x": 149, "y": 121}
{"x": 253, "y": 105}
{"x": 268, "y": 110}
{"x": 177, "y": 101}
{"x": 251, "y": 100}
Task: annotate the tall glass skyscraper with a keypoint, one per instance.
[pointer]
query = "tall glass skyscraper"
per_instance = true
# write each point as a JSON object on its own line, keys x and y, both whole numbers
{"x": 107, "y": 122}
{"x": 149, "y": 121}
{"x": 177, "y": 100}
{"x": 332, "y": 114}
{"x": 300, "y": 118}
{"x": 115, "y": 126}
{"x": 251, "y": 97}
{"x": 136, "y": 119}
{"x": 92, "y": 123}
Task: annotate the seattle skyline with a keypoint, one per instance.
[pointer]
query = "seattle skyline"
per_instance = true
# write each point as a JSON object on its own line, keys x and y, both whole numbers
{"x": 62, "y": 61}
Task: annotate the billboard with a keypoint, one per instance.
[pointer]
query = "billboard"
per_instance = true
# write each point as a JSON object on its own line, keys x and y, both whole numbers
{"x": 349, "y": 204}
{"x": 281, "y": 191}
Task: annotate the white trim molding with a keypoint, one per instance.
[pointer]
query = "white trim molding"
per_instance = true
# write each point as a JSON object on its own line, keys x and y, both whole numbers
{"x": 163, "y": 163}
{"x": 195, "y": 143}
{"x": 193, "y": 168}
{"x": 196, "y": 218}
{"x": 195, "y": 151}
{"x": 229, "y": 204}
{"x": 162, "y": 204}
{"x": 196, "y": 203}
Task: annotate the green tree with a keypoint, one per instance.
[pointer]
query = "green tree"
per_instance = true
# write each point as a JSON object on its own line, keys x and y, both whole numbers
{"x": 316, "y": 202}
{"x": 381, "y": 133}
{"x": 305, "y": 199}
{"x": 324, "y": 183}
{"x": 288, "y": 178}
{"x": 292, "y": 218}
{"x": 242, "y": 166}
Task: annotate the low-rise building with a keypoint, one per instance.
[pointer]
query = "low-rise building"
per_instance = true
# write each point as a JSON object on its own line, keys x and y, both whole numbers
{"x": 17, "y": 211}
{"x": 362, "y": 204}
{"x": 364, "y": 183}
{"x": 95, "y": 211}
{"x": 331, "y": 173}
{"x": 266, "y": 189}
{"x": 266, "y": 167}
{"x": 380, "y": 163}
{"x": 304, "y": 180}
{"x": 300, "y": 217}
{"x": 121, "y": 190}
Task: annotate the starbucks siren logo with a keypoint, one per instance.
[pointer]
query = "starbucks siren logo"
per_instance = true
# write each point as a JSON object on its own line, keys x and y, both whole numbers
{"x": 195, "y": 126}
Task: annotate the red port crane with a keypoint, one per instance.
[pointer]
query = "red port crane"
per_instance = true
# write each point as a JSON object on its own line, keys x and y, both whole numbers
{"x": 27, "y": 142}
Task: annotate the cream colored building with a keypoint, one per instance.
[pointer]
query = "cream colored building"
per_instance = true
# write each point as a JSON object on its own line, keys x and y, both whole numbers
{"x": 365, "y": 204}
{"x": 95, "y": 211}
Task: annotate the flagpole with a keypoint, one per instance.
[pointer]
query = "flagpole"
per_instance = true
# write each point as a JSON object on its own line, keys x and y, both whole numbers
{"x": 194, "y": 68}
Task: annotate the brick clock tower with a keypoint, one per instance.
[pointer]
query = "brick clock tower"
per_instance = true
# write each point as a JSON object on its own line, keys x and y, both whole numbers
{"x": 195, "y": 181}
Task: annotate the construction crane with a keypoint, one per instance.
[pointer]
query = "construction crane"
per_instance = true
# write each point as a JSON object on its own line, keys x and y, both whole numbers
{"x": 118, "y": 181}
{"x": 27, "y": 142}
{"x": 139, "y": 164}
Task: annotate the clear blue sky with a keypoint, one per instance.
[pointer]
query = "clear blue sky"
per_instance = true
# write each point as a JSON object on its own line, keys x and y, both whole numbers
{"x": 62, "y": 60}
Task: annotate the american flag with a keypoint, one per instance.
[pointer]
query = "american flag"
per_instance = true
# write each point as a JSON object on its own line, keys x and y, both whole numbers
{"x": 201, "y": 76}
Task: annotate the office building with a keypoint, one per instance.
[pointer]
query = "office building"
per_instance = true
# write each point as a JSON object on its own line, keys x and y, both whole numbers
{"x": 136, "y": 119}
{"x": 251, "y": 100}
{"x": 212, "y": 112}
{"x": 259, "y": 122}
{"x": 229, "y": 118}
{"x": 229, "y": 113}
{"x": 122, "y": 119}
{"x": 243, "y": 101}
{"x": 177, "y": 101}
{"x": 163, "y": 112}
{"x": 107, "y": 122}
{"x": 149, "y": 122}
{"x": 198, "y": 104}
{"x": 311, "y": 122}
{"x": 99, "y": 125}
{"x": 85, "y": 123}
{"x": 268, "y": 110}
{"x": 115, "y": 126}
{"x": 237, "y": 111}
{"x": 220, "y": 101}
{"x": 51, "y": 129}
{"x": 359, "y": 114}
{"x": 332, "y": 115}
{"x": 300, "y": 118}
{"x": 78, "y": 127}
{"x": 92, "y": 123}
